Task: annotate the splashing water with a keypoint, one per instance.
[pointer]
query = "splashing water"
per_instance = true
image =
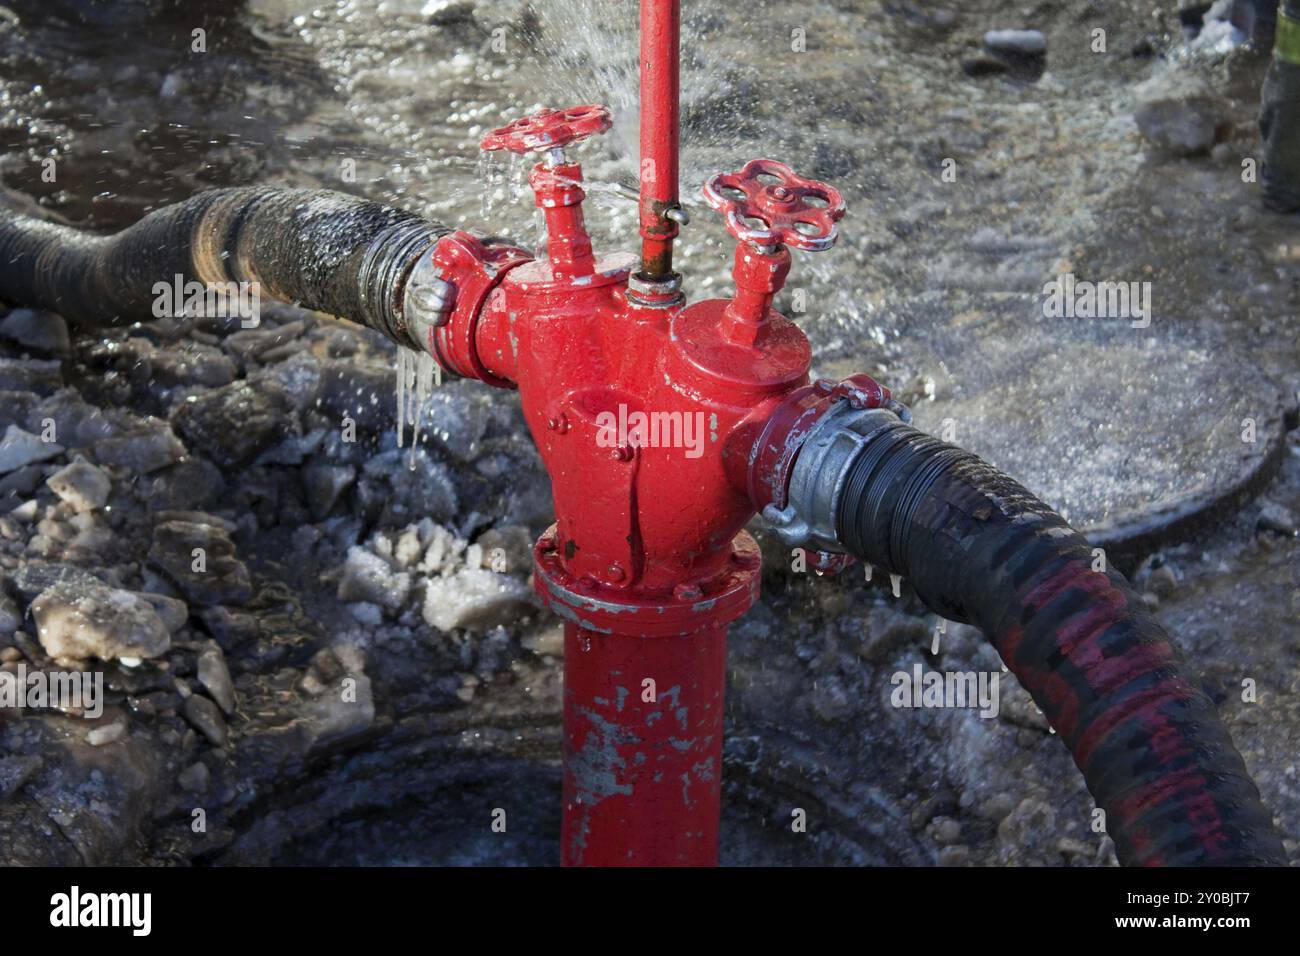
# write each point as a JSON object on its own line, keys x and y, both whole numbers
{"x": 417, "y": 375}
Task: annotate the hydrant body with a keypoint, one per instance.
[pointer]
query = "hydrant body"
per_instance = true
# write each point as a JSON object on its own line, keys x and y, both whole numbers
{"x": 650, "y": 417}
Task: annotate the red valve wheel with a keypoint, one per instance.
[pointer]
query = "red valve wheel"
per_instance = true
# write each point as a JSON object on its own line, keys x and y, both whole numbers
{"x": 768, "y": 204}
{"x": 549, "y": 129}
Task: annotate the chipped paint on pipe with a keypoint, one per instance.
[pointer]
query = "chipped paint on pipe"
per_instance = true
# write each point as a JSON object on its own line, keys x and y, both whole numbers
{"x": 642, "y": 761}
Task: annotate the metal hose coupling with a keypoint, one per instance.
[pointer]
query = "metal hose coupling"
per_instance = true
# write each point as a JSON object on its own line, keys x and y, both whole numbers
{"x": 806, "y": 453}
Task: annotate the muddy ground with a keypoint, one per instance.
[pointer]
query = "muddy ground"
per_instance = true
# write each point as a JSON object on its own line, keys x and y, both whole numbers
{"x": 332, "y": 559}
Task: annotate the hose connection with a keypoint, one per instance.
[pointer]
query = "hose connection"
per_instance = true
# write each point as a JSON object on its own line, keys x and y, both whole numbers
{"x": 805, "y": 453}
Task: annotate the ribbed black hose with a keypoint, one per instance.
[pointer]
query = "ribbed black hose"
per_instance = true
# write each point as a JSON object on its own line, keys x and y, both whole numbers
{"x": 1279, "y": 115}
{"x": 980, "y": 549}
{"x": 323, "y": 250}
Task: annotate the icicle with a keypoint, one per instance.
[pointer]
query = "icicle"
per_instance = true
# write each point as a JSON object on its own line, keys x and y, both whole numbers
{"x": 403, "y": 386}
{"x": 417, "y": 376}
{"x": 940, "y": 627}
{"x": 517, "y": 164}
{"x": 934, "y": 643}
{"x": 896, "y": 583}
{"x": 424, "y": 378}
{"x": 539, "y": 220}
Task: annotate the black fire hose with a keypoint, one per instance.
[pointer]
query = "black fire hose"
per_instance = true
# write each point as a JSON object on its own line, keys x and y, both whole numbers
{"x": 980, "y": 549}
{"x": 322, "y": 250}
{"x": 1279, "y": 115}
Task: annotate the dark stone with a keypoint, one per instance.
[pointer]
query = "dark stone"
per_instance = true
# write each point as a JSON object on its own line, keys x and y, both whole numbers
{"x": 234, "y": 424}
{"x": 984, "y": 66}
{"x": 223, "y": 578}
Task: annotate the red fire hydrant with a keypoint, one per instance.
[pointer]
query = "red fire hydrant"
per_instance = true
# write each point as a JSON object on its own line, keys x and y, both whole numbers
{"x": 664, "y": 428}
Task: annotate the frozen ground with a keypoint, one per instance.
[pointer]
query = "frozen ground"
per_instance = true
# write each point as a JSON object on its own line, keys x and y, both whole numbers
{"x": 332, "y": 559}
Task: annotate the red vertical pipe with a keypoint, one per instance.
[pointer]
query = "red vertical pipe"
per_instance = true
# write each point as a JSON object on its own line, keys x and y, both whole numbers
{"x": 642, "y": 748}
{"x": 660, "y": 132}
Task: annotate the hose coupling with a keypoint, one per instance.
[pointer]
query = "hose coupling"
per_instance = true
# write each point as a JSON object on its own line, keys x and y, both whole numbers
{"x": 804, "y": 454}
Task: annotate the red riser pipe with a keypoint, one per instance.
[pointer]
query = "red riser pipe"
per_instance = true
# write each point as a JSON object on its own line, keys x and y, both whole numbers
{"x": 642, "y": 778}
{"x": 660, "y": 131}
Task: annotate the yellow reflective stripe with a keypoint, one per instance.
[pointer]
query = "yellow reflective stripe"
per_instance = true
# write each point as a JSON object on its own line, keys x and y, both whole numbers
{"x": 1286, "y": 46}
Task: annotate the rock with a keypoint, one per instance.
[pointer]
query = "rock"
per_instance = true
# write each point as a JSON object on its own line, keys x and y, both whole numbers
{"x": 984, "y": 66}
{"x": 234, "y": 424}
{"x": 458, "y": 418}
{"x": 18, "y": 485}
{"x": 231, "y": 628}
{"x": 30, "y": 375}
{"x": 206, "y": 718}
{"x": 886, "y": 631}
{"x": 173, "y": 613}
{"x": 474, "y": 599}
{"x": 298, "y": 376}
{"x": 343, "y": 707}
{"x": 197, "y": 517}
{"x": 1016, "y": 42}
{"x": 106, "y": 734}
{"x": 149, "y": 446}
{"x": 1177, "y": 113}
{"x": 195, "y": 777}
{"x": 1163, "y": 582}
{"x": 402, "y": 495}
{"x": 200, "y": 561}
{"x": 15, "y": 407}
{"x": 368, "y": 577}
{"x": 946, "y": 831}
{"x": 33, "y": 577}
{"x": 75, "y": 423}
{"x": 1276, "y": 517}
{"x": 323, "y": 484}
{"x": 15, "y": 771}
{"x": 80, "y": 621}
{"x": 215, "y": 677}
{"x": 19, "y": 448}
{"x": 193, "y": 482}
{"x": 81, "y": 485}
{"x": 39, "y": 331}
{"x": 956, "y": 855}
{"x": 1032, "y": 823}
{"x": 362, "y": 392}
{"x": 192, "y": 363}
{"x": 547, "y": 641}
{"x": 249, "y": 344}
{"x": 363, "y": 612}
{"x": 507, "y": 549}
{"x": 25, "y": 512}
{"x": 11, "y": 616}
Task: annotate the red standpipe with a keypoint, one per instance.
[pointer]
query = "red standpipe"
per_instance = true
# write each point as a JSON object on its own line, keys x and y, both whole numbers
{"x": 648, "y": 416}
{"x": 660, "y": 133}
